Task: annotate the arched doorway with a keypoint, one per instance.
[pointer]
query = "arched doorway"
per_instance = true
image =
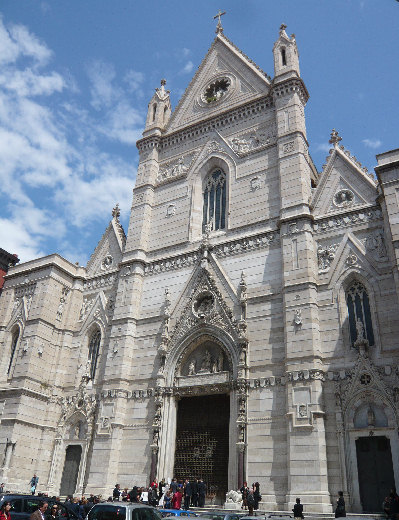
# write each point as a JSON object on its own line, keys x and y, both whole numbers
{"x": 70, "y": 472}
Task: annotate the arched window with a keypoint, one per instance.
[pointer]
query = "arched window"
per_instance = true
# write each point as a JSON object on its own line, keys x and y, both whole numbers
{"x": 14, "y": 341}
{"x": 283, "y": 57}
{"x": 359, "y": 309}
{"x": 214, "y": 213}
{"x": 94, "y": 347}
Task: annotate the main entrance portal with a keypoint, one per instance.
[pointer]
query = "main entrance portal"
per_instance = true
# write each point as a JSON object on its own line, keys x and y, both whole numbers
{"x": 202, "y": 442}
{"x": 375, "y": 470}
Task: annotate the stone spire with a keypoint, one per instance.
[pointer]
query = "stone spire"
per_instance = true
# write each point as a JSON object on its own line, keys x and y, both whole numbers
{"x": 286, "y": 56}
{"x": 116, "y": 212}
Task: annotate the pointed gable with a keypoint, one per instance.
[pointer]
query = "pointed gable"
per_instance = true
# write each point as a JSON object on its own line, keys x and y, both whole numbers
{"x": 223, "y": 65}
{"x": 108, "y": 252}
{"x": 343, "y": 185}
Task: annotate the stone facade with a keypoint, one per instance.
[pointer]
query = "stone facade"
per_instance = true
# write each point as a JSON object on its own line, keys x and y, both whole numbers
{"x": 256, "y": 309}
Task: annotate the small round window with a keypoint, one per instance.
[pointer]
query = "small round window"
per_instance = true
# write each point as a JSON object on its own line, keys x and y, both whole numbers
{"x": 216, "y": 90}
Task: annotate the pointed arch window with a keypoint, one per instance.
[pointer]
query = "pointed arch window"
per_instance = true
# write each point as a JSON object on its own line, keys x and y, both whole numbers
{"x": 14, "y": 342}
{"x": 94, "y": 348}
{"x": 214, "y": 210}
{"x": 358, "y": 303}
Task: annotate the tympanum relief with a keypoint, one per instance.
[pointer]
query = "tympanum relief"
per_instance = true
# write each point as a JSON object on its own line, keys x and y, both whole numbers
{"x": 207, "y": 359}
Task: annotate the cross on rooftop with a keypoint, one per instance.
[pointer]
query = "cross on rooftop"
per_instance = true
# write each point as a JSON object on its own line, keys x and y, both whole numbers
{"x": 219, "y": 27}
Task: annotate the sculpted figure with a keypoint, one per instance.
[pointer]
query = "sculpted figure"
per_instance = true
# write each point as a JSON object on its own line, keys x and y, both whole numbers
{"x": 191, "y": 368}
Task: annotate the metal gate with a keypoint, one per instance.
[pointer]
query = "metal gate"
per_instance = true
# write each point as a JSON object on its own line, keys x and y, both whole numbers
{"x": 202, "y": 442}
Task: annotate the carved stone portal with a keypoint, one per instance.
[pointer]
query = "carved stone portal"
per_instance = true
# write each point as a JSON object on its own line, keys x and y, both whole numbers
{"x": 208, "y": 358}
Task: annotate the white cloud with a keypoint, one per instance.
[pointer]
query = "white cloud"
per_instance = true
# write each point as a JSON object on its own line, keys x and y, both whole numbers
{"x": 322, "y": 147}
{"x": 372, "y": 143}
{"x": 55, "y": 177}
{"x": 188, "y": 67}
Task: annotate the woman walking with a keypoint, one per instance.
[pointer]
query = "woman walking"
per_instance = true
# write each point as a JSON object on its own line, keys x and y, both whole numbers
{"x": 340, "y": 509}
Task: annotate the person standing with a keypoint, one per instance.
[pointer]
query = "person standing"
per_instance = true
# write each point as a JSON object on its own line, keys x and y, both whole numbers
{"x": 39, "y": 513}
{"x": 116, "y": 493}
{"x": 5, "y": 511}
{"x": 298, "y": 509}
{"x": 53, "y": 515}
{"x": 188, "y": 492}
{"x": 194, "y": 496}
{"x": 250, "y": 502}
{"x": 340, "y": 509}
{"x": 201, "y": 493}
{"x": 33, "y": 483}
{"x": 161, "y": 488}
{"x": 2, "y": 487}
{"x": 244, "y": 494}
{"x": 257, "y": 495}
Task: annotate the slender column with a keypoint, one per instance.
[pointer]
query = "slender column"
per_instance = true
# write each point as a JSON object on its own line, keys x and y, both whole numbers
{"x": 9, "y": 449}
{"x": 154, "y": 461}
{"x": 241, "y": 455}
{"x": 54, "y": 463}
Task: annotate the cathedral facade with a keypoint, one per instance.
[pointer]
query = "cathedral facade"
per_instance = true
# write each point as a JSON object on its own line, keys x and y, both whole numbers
{"x": 245, "y": 329}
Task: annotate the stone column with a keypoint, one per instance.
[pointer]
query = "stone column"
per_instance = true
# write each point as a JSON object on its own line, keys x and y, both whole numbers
{"x": 54, "y": 463}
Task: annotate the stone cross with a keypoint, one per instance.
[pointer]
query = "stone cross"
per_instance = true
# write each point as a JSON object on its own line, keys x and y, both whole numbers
{"x": 219, "y": 27}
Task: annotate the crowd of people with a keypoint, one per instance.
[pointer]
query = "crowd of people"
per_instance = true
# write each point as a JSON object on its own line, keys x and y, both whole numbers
{"x": 169, "y": 496}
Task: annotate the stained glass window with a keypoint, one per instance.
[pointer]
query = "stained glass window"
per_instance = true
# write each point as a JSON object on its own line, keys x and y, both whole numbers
{"x": 359, "y": 309}
{"x": 214, "y": 211}
{"x": 94, "y": 347}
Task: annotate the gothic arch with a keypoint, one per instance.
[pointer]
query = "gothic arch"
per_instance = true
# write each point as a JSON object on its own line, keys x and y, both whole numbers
{"x": 195, "y": 339}
{"x": 218, "y": 160}
{"x": 343, "y": 283}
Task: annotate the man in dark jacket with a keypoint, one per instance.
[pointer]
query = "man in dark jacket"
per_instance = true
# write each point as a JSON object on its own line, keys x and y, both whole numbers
{"x": 188, "y": 491}
{"x": 194, "y": 496}
{"x": 201, "y": 493}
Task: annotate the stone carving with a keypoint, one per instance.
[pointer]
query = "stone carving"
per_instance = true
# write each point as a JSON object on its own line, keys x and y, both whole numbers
{"x": 171, "y": 210}
{"x": 191, "y": 368}
{"x": 255, "y": 183}
{"x": 206, "y": 362}
{"x": 61, "y": 305}
{"x": 288, "y": 147}
{"x": 325, "y": 256}
{"x": 253, "y": 141}
{"x": 170, "y": 264}
{"x": 233, "y": 497}
{"x": 247, "y": 244}
{"x": 351, "y": 260}
{"x": 26, "y": 289}
{"x": 354, "y": 217}
{"x": 305, "y": 375}
{"x": 370, "y": 417}
{"x": 203, "y": 305}
{"x": 99, "y": 281}
{"x": 375, "y": 244}
{"x": 87, "y": 305}
{"x": 213, "y": 147}
{"x": 110, "y": 304}
{"x": 302, "y": 411}
{"x": 297, "y": 318}
{"x": 106, "y": 262}
{"x": 343, "y": 198}
{"x": 174, "y": 170}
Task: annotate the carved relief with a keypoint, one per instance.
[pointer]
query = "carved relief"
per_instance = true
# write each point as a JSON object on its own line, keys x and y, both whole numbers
{"x": 87, "y": 305}
{"x": 288, "y": 147}
{"x": 326, "y": 224}
{"x": 253, "y": 141}
{"x": 100, "y": 281}
{"x": 175, "y": 169}
{"x": 171, "y": 210}
{"x": 246, "y": 244}
{"x": 325, "y": 256}
{"x": 106, "y": 262}
{"x": 375, "y": 245}
{"x": 343, "y": 198}
{"x": 255, "y": 183}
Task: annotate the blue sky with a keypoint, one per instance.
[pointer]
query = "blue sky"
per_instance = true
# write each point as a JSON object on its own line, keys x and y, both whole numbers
{"x": 76, "y": 77}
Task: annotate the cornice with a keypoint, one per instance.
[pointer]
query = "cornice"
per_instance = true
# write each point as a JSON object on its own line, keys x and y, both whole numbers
{"x": 290, "y": 86}
{"x": 207, "y": 125}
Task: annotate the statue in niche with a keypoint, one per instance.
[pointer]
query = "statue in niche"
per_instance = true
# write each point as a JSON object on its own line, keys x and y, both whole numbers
{"x": 206, "y": 362}
{"x": 370, "y": 416}
{"x": 302, "y": 412}
{"x": 203, "y": 305}
{"x": 191, "y": 368}
{"x": 359, "y": 330}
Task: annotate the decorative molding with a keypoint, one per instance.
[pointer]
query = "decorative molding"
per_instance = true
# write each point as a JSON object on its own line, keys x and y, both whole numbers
{"x": 64, "y": 294}
{"x": 305, "y": 375}
{"x": 100, "y": 281}
{"x": 243, "y": 245}
{"x": 348, "y": 219}
{"x": 254, "y": 140}
{"x": 288, "y": 147}
{"x": 176, "y": 169}
{"x": 169, "y": 264}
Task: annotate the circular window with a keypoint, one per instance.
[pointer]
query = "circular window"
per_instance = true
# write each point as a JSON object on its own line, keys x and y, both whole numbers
{"x": 107, "y": 262}
{"x": 216, "y": 90}
{"x": 203, "y": 304}
{"x": 343, "y": 198}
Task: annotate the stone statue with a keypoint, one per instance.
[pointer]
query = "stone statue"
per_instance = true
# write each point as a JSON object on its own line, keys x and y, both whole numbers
{"x": 191, "y": 368}
{"x": 370, "y": 417}
{"x": 359, "y": 330}
{"x": 206, "y": 362}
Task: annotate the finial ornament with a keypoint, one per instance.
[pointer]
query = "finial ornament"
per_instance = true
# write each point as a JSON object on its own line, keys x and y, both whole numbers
{"x": 335, "y": 138}
{"x": 116, "y": 212}
{"x": 283, "y": 27}
{"x": 219, "y": 28}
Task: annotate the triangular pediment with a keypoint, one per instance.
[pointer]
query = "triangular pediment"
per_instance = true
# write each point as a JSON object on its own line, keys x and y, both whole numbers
{"x": 350, "y": 255}
{"x": 223, "y": 62}
{"x": 95, "y": 308}
{"x": 208, "y": 299}
{"x": 343, "y": 186}
{"x": 108, "y": 252}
